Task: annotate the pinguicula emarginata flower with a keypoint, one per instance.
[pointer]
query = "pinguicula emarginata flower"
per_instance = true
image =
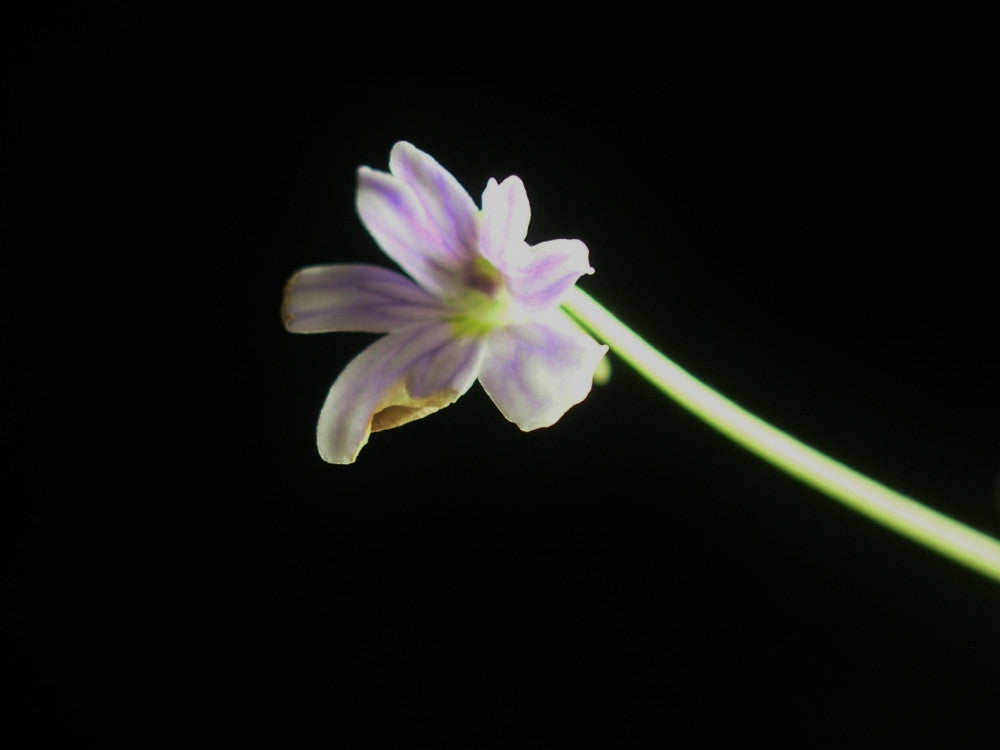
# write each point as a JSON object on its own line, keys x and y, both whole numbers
{"x": 479, "y": 303}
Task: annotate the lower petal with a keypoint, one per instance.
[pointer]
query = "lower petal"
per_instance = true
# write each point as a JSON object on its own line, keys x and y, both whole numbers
{"x": 534, "y": 372}
{"x": 402, "y": 376}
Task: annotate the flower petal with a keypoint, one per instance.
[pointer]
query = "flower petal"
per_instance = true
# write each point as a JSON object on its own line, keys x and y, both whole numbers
{"x": 547, "y": 273}
{"x": 354, "y": 297}
{"x": 504, "y": 225}
{"x": 448, "y": 205}
{"x": 534, "y": 372}
{"x": 395, "y": 217}
{"x": 405, "y": 375}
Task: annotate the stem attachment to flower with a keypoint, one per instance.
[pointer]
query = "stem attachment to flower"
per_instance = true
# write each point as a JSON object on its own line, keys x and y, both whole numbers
{"x": 906, "y": 516}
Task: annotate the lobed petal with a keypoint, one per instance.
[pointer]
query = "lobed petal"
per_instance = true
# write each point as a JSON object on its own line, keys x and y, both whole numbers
{"x": 405, "y": 375}
{"x": 397, "y": 220}
{"x": 547, "y": 272}
{"x": 504, "y": 224}
{"x": 354, "y": 297}
{"x": 447, "y": 204}
{"x": 534, "y": 372}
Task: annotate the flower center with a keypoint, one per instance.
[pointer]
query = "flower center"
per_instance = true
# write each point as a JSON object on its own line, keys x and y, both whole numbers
{"x": 484, "y": 305}
{"x": 484, "y": 277}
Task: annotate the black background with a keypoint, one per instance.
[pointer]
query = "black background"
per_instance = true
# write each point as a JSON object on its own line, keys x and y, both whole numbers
{"x": 807, "y": 228}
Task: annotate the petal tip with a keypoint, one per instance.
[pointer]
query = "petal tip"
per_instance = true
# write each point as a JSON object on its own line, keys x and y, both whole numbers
{"x": 400, "y": 146}
{"x": 287, "y": 317}
{"x": 338, "y": 460}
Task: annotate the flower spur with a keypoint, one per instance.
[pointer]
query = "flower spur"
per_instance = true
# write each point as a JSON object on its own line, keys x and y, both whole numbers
{"x": 478, "y": 303}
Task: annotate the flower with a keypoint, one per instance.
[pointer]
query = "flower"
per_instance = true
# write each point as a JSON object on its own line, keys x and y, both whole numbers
{"x": 479, "y": 303}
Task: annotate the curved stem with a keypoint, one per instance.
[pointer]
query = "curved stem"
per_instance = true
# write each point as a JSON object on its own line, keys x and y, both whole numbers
{"x": 906, "y": 516}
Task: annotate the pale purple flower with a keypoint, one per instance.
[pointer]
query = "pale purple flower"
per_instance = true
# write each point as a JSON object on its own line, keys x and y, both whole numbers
{"x": 479, "y": 303}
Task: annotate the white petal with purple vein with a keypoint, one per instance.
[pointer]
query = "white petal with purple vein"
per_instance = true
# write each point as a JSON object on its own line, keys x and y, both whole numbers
{"x": 504, "y": 225}
{"x": 397, "y": 220}
{"x": 550, "y": 269}
{"x": 444, "y": 200}
{"x": 534, "y": 372}
{"x": 354, "y": 297}
{"x": 402, "y": 376}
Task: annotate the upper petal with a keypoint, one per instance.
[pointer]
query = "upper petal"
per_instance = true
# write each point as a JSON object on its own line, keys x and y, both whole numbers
{"x": 405, "y": 375}
{"x": 504, "y": 225}
{"x": 394, "y": 215}
{"x": 540, "y": 278}
{"x": 354, "y": 297}
{"x": 534, "y": 372}
{"x": 447, "y": 204}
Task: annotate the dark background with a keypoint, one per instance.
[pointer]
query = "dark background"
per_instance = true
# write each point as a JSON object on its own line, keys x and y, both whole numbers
{"x": 807, "y": 228}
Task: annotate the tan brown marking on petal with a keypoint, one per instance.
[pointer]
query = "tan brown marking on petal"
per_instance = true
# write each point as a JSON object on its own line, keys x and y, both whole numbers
{"x": 398, "y": 407}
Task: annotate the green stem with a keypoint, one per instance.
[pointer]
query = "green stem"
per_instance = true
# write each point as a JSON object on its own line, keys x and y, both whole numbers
{"x": 902, "y": 514}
